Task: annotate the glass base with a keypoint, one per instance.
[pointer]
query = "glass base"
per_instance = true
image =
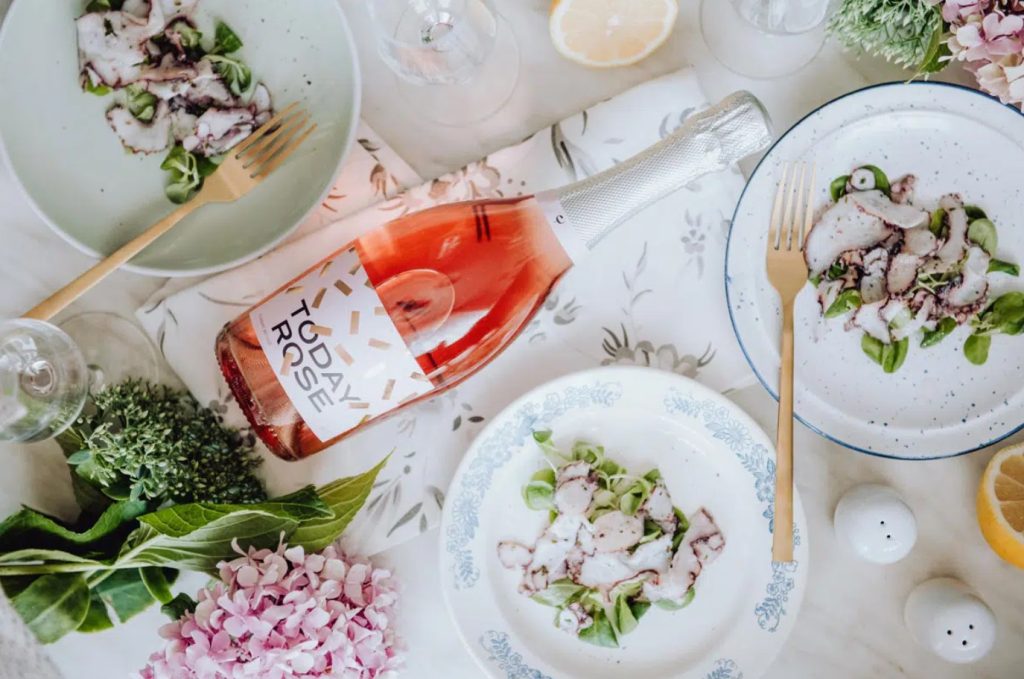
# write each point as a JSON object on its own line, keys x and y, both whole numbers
{"x": 485, "y": 94}
{"x": 751, "y": 52}
{"x": 114, "y": 348}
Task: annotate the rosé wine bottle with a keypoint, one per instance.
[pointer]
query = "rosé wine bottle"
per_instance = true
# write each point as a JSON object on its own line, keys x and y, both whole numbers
{"x": 423, "y": 302}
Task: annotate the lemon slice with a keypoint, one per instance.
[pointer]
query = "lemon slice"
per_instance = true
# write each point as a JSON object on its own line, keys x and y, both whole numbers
{"x": 606, "y": 33}
{"x": 1001, "y": 504}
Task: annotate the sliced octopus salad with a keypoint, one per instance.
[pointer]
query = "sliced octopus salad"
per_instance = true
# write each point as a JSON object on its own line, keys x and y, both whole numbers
{"x": 897, "y": 272}
{"x": 614, "y": 545}
{"x": 174, "y": 90}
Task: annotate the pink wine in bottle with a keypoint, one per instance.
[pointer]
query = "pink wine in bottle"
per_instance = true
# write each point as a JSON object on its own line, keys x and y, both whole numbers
{"x": 423, "y": 302}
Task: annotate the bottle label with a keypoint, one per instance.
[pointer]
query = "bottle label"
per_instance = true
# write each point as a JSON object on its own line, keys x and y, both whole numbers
{"x": 335, "y": 349}
{"x": 570, "y": 240}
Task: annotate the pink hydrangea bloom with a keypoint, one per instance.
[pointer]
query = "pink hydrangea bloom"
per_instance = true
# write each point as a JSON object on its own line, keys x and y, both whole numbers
{"x": 957, "y": 11}
{"x": 993, "y": 37}
{"x": 283, "y": 614}
{"x": 1004, "y": 79}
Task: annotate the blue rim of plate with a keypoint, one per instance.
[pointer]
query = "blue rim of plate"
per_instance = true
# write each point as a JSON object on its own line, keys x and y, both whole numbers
{"x": 728, "y": 244}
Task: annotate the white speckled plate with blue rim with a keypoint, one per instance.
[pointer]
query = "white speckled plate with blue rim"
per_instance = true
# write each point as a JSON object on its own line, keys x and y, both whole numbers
{"x": 710, "y": 453}
{"x": 955, "y": 140}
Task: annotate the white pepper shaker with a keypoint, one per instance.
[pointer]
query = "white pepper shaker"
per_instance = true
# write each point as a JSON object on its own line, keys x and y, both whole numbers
{"x": 875, "y": 522}
{"x": 945, "y": 616}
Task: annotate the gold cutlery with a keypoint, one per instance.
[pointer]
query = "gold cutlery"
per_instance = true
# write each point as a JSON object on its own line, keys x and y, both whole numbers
{"x": 242, "y": 170}
{"x": 791, "y": 219}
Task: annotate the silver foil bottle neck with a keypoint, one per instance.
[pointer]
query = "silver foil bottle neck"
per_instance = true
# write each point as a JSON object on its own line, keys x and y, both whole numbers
{"x": 709, "y": 141}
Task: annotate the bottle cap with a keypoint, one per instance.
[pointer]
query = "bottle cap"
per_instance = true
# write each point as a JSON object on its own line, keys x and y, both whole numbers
{"x": 945, "y": 616}
{"x": 876, "y": 523}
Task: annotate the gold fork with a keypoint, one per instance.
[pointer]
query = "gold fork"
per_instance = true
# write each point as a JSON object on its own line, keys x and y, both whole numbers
{"x": 242, "y": 170}
{"x": 791, "y": 219}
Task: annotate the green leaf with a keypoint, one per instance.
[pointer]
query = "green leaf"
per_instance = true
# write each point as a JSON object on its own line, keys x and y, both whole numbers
{"x": 653, "y": 476}
{"x": 974, "y": 212}
{"x": 1002, "y": 315}
{"x": 936, "y": 56}
{"x": 623, "y": 619}
{"x": 836, "y": 271}
{"x": 185, "y": 178}
{"x": 199, "y": 535}
{"x": 976, "y": 348}
{"x": 881, "y": 179}
{"x": 639, "y": 608}
{"x": 652, "y": 531}
{"x": 845, "y": 302}
{"x": 872, "y": 348}
{"x": 894, "y": 354}
{"x": 188, "y": 36}
{"x": 29, "y": 528}
{"x": 539, "y": 495}
{"x": 559, "y": 593}
{"x": 97, "y": 619}
{"x": 542, "y": 436}
{"x": 941, "y": 331}
{"x": 158, "y": 582}
{"x": 104, "y": 5}
{"x": 627, "y": 588}
{"x": 837, "y": 189}
{"x": 982, "y": 232}
{"x": 125, "y": 593}
{"x": 344, "y": 497}
{"x": 601, "y": 632}
{"x": 669, "y": 605}
{"x": 141, "y": 103}
{"x": 79, "y": 457}
{"x": 11, "y": 561}
{"x": 999, "y": 266}
{"x": 937, "y": 225}
{"x": 53, "y": 605}
{"x": 225, "y": 40}
{"x": 177, "y": 607}
{"x": 237, "y": 76}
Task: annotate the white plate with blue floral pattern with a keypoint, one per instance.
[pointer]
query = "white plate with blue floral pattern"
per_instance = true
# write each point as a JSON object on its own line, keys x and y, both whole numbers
{"x": 710, "y": 454}
{"x": 955, "y": 140}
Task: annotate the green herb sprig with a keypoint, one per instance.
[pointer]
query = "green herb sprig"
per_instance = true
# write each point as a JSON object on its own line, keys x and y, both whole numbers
{"x": 143, "y": 441}
{"x": 908, "y": 33}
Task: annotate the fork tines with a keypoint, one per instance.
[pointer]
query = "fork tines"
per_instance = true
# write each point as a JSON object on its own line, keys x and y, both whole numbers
{"x": 791, "y": 216}
{"x": 271, "y": 144}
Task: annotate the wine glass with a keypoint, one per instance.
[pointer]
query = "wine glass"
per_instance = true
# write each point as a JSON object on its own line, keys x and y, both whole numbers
{"x": 764, "y": 38}
{"x": 456, "y": 61}
{"x": 44, "y": 380}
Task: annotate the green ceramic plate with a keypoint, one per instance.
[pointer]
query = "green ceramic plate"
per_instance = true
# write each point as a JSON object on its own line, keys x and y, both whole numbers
{"x": 75, "y": 172}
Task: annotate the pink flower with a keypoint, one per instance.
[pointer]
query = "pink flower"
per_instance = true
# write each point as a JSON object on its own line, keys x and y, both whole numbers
{"x": 957, "y": 11}
{"x": 1004, "y": 79}
{"x": 989, "y": 39}
{"x": 285, "y": 614}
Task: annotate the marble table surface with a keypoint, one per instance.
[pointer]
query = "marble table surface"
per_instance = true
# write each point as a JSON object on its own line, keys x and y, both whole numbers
{"x": 851, "y": 624}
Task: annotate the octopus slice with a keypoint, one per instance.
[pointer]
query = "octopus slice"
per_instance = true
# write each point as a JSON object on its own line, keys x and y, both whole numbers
{"x": 841, "y": 228}
{"x": 974, "y": 282}
{"x": 902, "y": 273}
{"x": 138, "y": 136}
{"x": 111, "y": 45}
{"x": 617, "y": 531}
{"x": 877, "y": 204}
{"x": 872, "y": 285}
{"x": 956, "y": 241}
{"x": 869, "y": 319}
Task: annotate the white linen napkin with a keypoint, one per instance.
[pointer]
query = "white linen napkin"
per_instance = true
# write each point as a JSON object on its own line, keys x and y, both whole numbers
{"x": 650, "y": 294}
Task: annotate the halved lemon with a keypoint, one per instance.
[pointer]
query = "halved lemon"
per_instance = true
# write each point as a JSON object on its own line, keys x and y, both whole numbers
{"x": 1001, "y": 504}
{"x": 606, "y": 33}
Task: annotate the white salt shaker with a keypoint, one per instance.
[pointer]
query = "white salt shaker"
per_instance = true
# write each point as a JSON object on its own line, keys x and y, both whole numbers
{"x": 945, "y": 616}
{"x": 876, "y": 523}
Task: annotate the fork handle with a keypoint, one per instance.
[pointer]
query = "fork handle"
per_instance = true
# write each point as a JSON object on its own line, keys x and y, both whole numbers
{"x": 782, "y": 535}
{"x": 56, "y": 302}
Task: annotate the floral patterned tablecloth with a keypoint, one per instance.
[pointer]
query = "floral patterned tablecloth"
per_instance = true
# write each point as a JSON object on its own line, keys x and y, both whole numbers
{"x": 651, "y": 294}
